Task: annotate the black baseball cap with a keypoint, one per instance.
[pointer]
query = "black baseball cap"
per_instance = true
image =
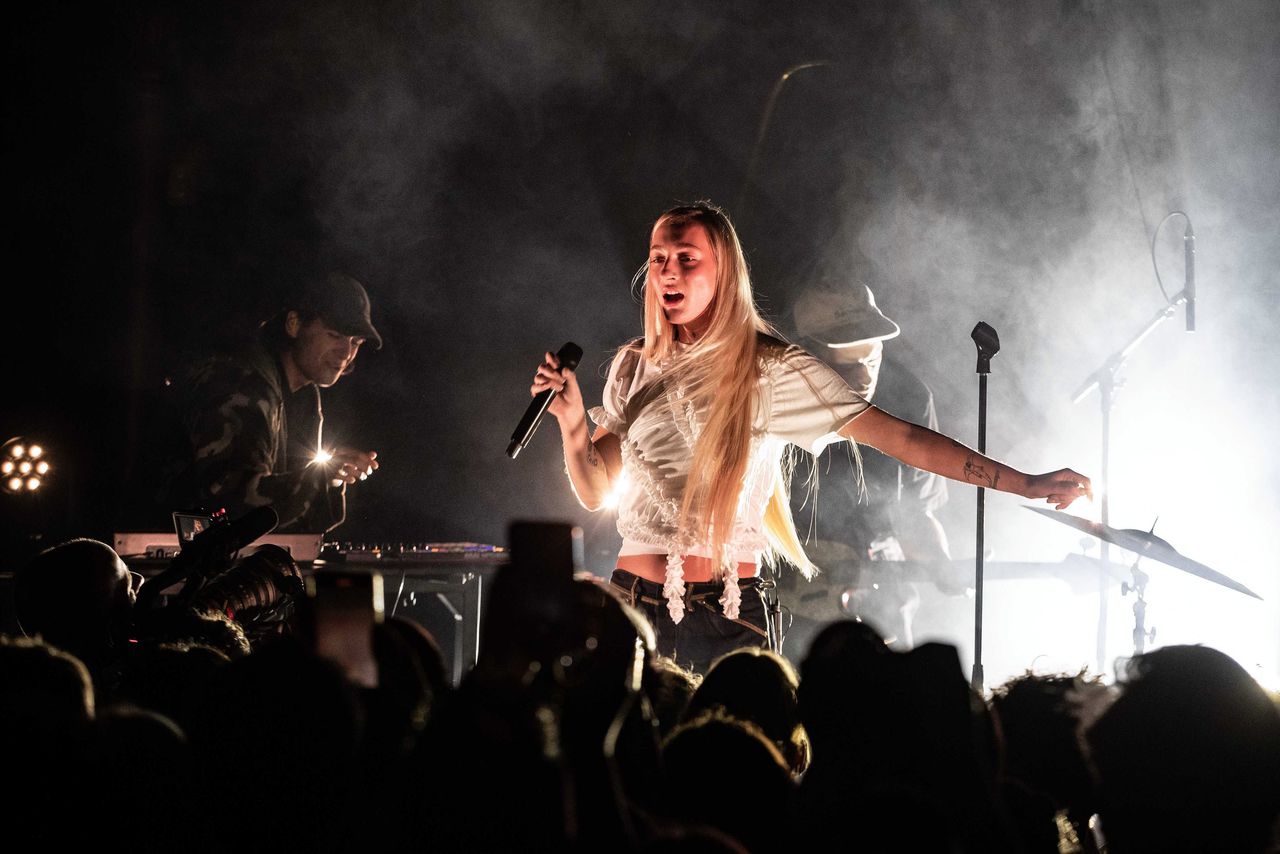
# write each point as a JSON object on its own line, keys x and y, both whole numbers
{"x": 342, "y": 303}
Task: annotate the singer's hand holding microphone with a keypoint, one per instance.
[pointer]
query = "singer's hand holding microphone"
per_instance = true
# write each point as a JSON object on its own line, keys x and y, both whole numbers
{"x": 555, "y": 390}
{"x": 567, "y": 401}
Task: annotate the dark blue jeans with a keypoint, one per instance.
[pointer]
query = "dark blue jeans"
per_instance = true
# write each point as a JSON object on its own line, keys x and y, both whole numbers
{"x": 705, "y": 633}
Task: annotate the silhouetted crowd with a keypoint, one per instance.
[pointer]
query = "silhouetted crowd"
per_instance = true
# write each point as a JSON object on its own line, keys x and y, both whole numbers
{"x": 186, "y": 734}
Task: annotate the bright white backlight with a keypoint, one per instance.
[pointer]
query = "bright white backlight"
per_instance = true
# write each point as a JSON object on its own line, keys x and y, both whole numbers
{"x": 33, "y": 483}
{"x": 35, "y": 451}
{"x": 619, "y": 489}
{"x": 6, "y": 467}
{"x": 322, "y": 456}
{"x": 15, "y": 484}
{"x": 18, "y": 451}
{"x": 42, "y": 467}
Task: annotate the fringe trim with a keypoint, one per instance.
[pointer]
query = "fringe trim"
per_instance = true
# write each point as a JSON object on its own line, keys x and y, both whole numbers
{"x": 673, "y": 587}
{"x": 731, "y": 599}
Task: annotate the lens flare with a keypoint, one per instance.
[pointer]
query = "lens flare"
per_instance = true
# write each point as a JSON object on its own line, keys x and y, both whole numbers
{"x": 619, "y": 489}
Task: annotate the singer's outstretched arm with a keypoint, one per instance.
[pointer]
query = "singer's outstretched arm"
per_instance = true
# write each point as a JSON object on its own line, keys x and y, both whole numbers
{"x": 923, "y": 448}
{"x": 592, "y": 461}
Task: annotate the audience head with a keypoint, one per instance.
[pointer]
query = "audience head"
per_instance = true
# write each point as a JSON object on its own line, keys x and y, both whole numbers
{"x": 78, "y": 595}
{"x": 716, "y": 766}
{"x": 759, "y": 686}
{"x": 43, "y": 686}
{"x": 168, "y": 678}
{"x": 1188, "y": 757}
{"x": 829, "y": 676}
{"x": 668, "y": 687}
{"x": 1039, "y": 723}
{"x": 46, "y": 711}
{"x": 1045, "y": 779}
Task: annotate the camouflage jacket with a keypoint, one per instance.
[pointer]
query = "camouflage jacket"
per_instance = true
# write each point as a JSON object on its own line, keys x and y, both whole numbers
{"x": 238, "y": 415}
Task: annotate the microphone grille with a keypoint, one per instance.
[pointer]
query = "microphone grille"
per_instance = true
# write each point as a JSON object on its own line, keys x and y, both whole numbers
{"x": 570, "y": 355}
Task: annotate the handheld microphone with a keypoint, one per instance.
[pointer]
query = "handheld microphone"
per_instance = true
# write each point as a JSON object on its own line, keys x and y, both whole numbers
{"x": 1189, "y": 260}
{"x": 570, "y": 354}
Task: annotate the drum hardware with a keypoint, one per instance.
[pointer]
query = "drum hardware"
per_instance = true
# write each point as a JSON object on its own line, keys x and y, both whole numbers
{"x": 1144, "y": 544}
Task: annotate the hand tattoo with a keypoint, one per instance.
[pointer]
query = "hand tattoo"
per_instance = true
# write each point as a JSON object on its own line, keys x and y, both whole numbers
{"x": 978, "y": 474}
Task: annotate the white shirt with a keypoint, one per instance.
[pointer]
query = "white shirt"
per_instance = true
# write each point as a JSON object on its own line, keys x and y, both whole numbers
{"x": 801, "y": 401}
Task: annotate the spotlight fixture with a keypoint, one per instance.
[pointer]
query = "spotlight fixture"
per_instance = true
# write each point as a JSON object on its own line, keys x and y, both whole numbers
{"x": 23, "y": 465}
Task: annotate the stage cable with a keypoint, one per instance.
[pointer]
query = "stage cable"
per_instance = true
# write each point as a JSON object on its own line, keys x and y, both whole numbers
{"x": 1155, "y": 265}
{"x": 1124, "y": 138}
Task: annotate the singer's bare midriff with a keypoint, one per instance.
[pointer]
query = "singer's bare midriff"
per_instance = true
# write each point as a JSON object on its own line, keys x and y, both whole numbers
{"x": 654, "y": 567}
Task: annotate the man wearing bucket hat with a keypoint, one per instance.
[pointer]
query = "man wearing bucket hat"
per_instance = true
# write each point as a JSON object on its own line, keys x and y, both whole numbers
{"x": 253, "y": 418}
{"x": 886, "y": 514}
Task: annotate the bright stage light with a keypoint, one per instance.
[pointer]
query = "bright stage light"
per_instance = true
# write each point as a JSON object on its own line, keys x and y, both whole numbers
{"x": 322, "y": 456}
{"x": 23, "y": 466}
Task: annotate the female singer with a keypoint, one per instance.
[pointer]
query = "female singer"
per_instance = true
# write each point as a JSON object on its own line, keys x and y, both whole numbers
{"x": 691, "y": 436}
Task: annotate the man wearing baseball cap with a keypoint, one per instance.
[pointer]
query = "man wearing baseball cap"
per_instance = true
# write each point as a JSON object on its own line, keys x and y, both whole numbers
{"x": 253, "y": 418}
{"x": 884, "y": 512}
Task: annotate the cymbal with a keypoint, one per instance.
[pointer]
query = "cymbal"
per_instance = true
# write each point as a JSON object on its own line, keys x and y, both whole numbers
{"x": 1147, "y": 545}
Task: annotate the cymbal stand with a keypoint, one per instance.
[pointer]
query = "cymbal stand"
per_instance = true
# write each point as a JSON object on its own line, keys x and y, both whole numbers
{"x": 1140, "y": 633}
{"x": 1139, "y": 586}
{"x": 1106, "y": 380}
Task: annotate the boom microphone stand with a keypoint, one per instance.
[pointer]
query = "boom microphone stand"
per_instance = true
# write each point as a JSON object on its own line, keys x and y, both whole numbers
{"x": 988, "y": 343}
{"x": 1107, "y": 381}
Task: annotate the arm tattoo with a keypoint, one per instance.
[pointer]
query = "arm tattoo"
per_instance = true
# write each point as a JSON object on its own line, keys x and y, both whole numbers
{"x": 592, "y": 459}
{"x": 974, "y": 473}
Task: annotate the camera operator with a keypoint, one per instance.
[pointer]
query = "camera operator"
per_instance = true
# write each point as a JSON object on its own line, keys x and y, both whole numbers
{"x": 81, "y": 597}
{"x": 78, "y": 596}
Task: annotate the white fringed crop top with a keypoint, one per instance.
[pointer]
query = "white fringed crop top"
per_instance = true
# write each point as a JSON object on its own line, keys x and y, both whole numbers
{"x": 801, "y": 401}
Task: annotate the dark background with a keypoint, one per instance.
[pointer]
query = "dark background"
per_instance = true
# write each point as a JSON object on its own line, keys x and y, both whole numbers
{"x": 490, "y": 171}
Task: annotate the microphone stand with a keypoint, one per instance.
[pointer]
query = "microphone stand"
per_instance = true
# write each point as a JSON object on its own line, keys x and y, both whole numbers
{"x": 1106, "y": 380}
{"x": 988, "y": 343}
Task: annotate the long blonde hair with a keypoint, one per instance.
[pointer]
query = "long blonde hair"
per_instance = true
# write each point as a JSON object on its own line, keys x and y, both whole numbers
{"x": 720, "y": 375}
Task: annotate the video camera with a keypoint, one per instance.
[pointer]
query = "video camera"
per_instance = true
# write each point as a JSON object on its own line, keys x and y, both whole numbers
{"x": 259, "y": 591}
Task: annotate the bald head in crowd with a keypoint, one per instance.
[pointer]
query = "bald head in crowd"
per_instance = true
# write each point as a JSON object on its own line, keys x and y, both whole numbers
{"x": 77, "y": 596}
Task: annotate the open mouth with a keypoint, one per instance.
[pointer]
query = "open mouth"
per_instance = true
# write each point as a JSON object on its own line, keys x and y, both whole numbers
{"x": 672, "y": 298}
